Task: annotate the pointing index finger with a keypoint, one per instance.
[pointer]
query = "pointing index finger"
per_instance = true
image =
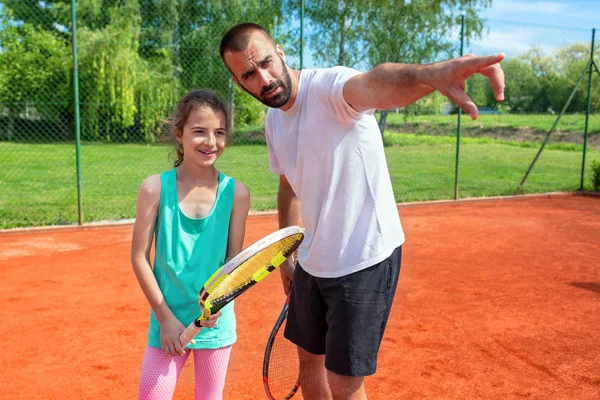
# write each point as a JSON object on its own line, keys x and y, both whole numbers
{"x": 480, "y": 62}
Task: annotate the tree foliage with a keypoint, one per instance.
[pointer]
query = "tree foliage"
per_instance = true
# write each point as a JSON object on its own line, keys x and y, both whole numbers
{"x": 137, "y": 57}
{"x": 537, "y": 82}
{"x": 417, "y": 32}
{"x": 33, "y": 72}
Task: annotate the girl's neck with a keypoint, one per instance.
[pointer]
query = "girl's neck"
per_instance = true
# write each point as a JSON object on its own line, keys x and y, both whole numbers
{"x": 197, "y": 175}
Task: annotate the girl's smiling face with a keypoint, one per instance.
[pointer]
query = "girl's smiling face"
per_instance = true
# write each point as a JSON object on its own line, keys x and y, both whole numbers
{"x": 203, "y": 136}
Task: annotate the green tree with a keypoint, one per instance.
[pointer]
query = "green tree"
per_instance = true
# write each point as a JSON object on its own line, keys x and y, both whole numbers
{"x": 552, "y": 89}
{"x": 124, "y": 97}
{"x": 201, "y": 65}
{"x": 33, "y": 73}
{"x": 138, "y": 56}
{"x": 571, "y": 61}
{"x": 337, "y": 30}
{"x": 187, "y": 34}
{"x": 45, "y": 15}
{"x": 419, "y": 31}
{"x": 523, "y": 92}
{"x": 363, "y": 34}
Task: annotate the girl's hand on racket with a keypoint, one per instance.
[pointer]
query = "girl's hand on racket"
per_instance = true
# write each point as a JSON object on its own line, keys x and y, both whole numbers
{"x": 287, "y": 272}
{"x": 211, "y": 322}
{"x": 170, "y": 330}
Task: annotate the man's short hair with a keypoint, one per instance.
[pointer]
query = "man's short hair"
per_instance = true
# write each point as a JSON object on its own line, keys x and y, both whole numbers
{"x": 238, "y": 37}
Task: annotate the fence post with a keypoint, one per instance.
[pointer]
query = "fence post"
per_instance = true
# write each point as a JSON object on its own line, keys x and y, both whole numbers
{"x": 76, "y": 109}
{"x": 545, "y": 142}
{"x": 589, "y": 108}
{"x": 462, "y": 39}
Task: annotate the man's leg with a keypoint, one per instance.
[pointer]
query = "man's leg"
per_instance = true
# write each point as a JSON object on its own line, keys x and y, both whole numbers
{"x": 358, "y": 307}
{"x": 346, "y": 387}
{"x": 306, "y": 327}
{"x": 313, "y": 376}
{"x": 319, "y": 384}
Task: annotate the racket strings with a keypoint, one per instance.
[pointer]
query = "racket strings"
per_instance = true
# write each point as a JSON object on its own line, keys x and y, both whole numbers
{"x": 217, "y": 302}
{"x": 242, "y": 277}
{"x": 283, "y": 367}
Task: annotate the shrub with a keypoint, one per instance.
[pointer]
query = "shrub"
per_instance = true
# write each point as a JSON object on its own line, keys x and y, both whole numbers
{"x": 596, "y": 175}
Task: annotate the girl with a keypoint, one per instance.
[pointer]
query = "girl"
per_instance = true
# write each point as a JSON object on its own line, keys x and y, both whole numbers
{"x": 197, "y": 217}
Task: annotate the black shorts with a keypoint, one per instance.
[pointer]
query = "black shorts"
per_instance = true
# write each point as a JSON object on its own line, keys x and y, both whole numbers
{"x": 344, "y": 318}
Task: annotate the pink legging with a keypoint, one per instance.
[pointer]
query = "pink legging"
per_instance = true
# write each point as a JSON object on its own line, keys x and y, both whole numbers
{"x": 160, "y": 373}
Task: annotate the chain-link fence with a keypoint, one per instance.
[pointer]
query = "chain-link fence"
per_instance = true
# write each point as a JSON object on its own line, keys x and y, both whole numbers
{"x": 136, "y": 58}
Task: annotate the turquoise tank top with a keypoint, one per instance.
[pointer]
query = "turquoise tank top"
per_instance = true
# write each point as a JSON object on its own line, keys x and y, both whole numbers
{"x": 187, "y": 252}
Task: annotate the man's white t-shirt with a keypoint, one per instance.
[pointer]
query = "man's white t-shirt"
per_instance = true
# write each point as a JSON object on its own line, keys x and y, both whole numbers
{"x": 333, "y": 158}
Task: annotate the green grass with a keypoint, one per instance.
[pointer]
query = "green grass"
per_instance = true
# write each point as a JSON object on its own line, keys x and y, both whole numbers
{"x": 407, "y": 139}
{"x": 541, "y": 122}
{"x": 38, "y": 181}
{"x": 422, "y": 167}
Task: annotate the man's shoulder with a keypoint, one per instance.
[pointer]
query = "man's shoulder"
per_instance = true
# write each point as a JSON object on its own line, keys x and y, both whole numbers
{"x": 327, "y": 79}
{"x": 336, "y": 70}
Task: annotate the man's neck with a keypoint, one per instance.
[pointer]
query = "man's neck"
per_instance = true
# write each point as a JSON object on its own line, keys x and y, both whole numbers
{"x": 295, "y": 75}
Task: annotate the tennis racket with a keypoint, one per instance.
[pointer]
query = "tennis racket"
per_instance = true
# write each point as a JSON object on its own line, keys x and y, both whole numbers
{"x": 281, "y": 367}
{"x": 242, "y": 272}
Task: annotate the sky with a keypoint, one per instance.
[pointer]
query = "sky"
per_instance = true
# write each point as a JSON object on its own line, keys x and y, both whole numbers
{"x": 516, "y": 26}
{"x": 583, "y": 14}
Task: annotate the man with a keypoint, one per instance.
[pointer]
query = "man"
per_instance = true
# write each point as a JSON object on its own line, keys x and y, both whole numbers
{"x": 325, "y": 144}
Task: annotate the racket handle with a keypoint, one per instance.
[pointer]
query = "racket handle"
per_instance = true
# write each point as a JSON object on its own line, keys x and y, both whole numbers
{"x": 189, "y": 333}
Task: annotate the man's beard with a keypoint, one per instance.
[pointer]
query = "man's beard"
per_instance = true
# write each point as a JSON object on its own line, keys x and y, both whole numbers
{"x": 279, "y": 100}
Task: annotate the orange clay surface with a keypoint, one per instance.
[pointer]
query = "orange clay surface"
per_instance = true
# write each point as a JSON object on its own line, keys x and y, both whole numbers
{"x": 498, "y": 299}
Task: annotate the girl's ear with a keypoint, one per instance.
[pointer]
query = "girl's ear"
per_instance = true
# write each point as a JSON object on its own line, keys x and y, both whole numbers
{"x": 178, "y": 134}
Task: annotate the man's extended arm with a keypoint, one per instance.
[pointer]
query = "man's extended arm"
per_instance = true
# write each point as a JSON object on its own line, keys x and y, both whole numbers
{"x": 393, "y": 85}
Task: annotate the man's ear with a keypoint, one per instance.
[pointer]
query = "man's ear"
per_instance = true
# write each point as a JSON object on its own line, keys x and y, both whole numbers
{"x": 237, "y": 83}
{"x": 280, "y": 52}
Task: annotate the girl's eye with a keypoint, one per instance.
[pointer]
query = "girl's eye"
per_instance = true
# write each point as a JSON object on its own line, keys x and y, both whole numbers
{"x": 220, "y": 133}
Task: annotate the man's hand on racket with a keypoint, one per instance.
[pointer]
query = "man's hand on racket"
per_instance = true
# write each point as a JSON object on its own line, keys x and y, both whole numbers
{"x": 287, "y": 272}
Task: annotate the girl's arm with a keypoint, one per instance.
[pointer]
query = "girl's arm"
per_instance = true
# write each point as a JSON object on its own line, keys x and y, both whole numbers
{"x": 141, "y": 243}
{"x": 239, "y": 214}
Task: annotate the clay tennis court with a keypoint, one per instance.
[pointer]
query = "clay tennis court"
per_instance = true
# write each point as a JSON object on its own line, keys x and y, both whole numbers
{"x": 498, "y": 299}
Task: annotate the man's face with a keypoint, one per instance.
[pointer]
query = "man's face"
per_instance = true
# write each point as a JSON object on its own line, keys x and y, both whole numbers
{"x": 260, "y": 70}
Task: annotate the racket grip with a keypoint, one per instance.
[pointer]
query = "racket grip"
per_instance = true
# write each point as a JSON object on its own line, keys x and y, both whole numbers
{"x": 189, "y": 333}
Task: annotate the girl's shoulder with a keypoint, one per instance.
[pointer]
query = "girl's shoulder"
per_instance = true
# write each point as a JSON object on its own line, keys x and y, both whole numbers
{"x": 151, "y": 186}
{"x": 241, "y": 190}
